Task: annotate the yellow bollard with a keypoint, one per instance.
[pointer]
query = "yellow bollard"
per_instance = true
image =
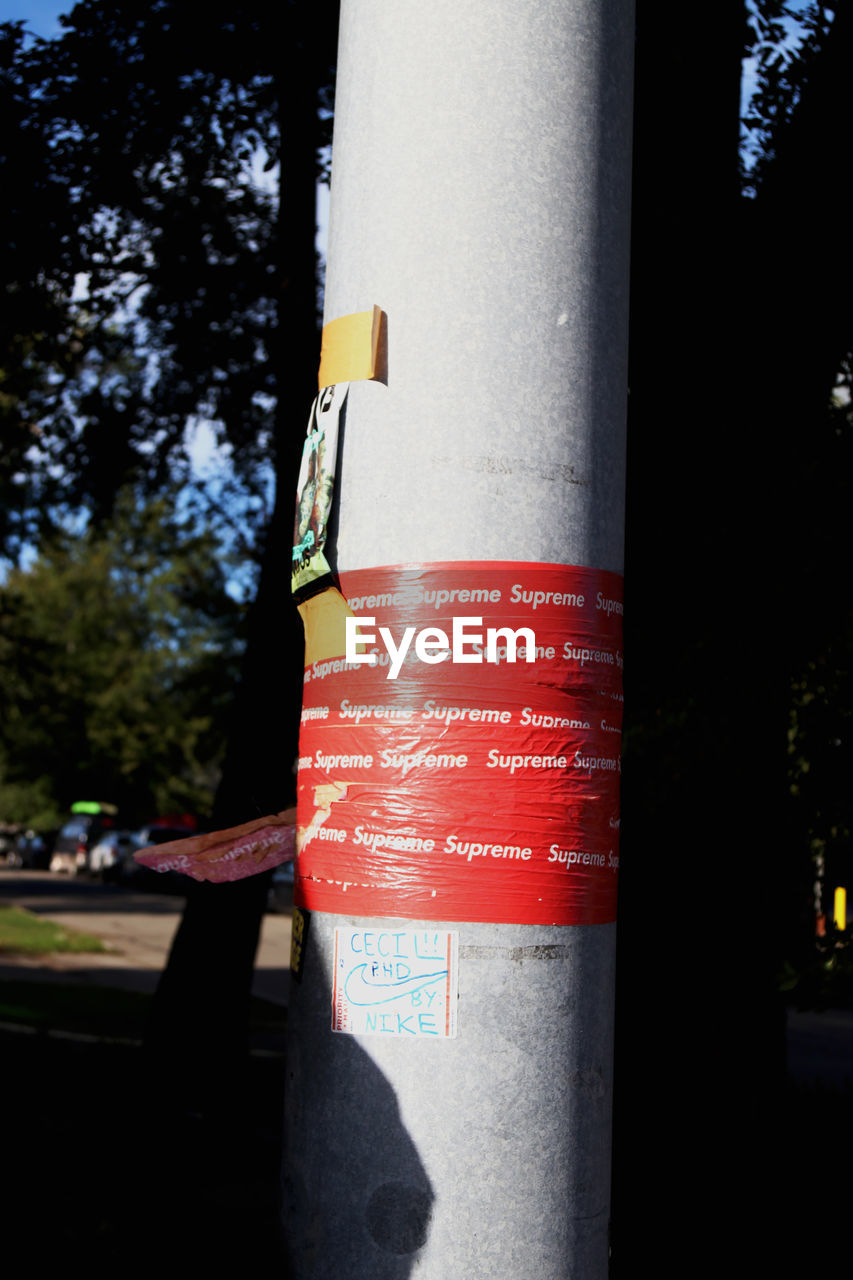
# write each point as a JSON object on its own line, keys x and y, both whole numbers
{"x": 840, "y": 911}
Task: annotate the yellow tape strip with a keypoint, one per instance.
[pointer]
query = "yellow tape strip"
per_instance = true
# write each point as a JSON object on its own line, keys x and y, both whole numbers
{"x": 354, "y": 349}
{"x": 325, "y": 620}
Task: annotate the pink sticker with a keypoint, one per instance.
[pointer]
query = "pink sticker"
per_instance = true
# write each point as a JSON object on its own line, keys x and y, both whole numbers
{"x": 233, "y": 854}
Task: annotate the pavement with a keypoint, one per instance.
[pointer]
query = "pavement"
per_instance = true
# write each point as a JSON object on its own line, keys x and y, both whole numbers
{"x": 820, "y": 1048}
{"x": 137, "y": 929}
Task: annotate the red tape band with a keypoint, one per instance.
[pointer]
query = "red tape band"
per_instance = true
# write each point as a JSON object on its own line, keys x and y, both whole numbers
{"x": 453, "y": 783}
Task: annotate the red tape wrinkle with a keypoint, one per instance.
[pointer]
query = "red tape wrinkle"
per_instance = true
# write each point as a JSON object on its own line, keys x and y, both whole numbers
{"x": 478, "y": 789}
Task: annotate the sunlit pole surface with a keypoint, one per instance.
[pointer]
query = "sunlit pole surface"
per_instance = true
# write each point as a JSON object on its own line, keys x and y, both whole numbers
{"x": 480, "y": 196}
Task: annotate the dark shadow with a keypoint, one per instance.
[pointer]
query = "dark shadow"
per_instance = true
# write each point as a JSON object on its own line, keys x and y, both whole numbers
{"x": 198, "y": 1026}
{"x": 115, "y": 977}
{"x": 358, "y": 1203}
{"x": 357, "y": 1199}
{"x": 141, "y": 1163}
{"x": 169, "y": 1130}
{"x": 103, "y": 1160}
{"x": 271, "y": 983}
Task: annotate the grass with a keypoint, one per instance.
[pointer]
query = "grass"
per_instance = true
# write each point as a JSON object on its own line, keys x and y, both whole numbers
{"x": 21, "y": 930}
{"x": 92, "y": 1009}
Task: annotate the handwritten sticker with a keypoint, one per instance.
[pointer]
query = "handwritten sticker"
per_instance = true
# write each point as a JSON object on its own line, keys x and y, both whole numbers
{"x": 395, "y": 982}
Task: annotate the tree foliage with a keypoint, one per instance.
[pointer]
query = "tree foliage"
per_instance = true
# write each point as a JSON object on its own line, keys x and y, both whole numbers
{"x": 784, "y": 42}
{"x": 179, "y": 155}
{"x": 797, "y": 228}
{"x": 742, "y": 278}
{"x": 164, "y": 222}
{"x": 117, "y": 651}
{"x": 148, "y": 269}
{"x": 737, "y": 602}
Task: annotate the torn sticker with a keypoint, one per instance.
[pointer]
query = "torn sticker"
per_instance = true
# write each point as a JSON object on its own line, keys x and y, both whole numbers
{"x": 232, "y": 854}
{"x": 315, "y": 488}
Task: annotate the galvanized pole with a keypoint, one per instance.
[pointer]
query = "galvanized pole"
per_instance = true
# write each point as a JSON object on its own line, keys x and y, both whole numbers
{"x": 480, "y": 197}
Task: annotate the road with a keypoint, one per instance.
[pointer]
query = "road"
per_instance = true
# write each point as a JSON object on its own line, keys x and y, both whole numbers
{"x": 137, "y": 929}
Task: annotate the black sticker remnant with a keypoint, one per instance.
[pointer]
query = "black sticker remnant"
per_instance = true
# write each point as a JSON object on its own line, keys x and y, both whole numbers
{"x": 298, "y": 939}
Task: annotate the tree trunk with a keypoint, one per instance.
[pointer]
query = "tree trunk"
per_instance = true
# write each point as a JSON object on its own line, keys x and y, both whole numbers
{"x": 735, "y": 342}
{"x": 200, "y": 1017}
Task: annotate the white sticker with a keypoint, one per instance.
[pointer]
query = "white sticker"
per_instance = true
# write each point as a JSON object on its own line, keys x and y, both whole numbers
{"x": 395, "y": 982}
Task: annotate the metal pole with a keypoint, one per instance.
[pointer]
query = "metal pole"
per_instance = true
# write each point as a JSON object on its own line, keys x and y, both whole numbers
{"x": 480, "y": 196}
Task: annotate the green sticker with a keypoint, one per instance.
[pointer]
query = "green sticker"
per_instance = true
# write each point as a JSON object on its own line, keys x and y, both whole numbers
{"x": 315, "y": 487}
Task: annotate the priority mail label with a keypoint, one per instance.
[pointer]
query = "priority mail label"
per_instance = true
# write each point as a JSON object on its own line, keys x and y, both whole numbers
{"x": 395, "y": 982}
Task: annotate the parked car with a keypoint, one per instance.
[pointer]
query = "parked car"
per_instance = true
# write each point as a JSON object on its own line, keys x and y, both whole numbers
{"x": 9, "y": 836}
{"x": 280, "y": 895}
{"x": 34, "y": 849}
{"x": 107, "y": 856}
{"x": 88, "y": 821}
{"x": 129, "y": 871}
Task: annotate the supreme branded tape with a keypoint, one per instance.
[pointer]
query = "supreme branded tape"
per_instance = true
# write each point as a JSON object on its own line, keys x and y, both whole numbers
{"x": 460, "y": 745}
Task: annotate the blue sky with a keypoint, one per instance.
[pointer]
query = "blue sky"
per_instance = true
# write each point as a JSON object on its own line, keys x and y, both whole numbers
{"x": 41, "y": 16}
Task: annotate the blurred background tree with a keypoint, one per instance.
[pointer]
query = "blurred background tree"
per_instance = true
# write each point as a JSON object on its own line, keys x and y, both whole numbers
{"x": 160, "y": 213}
{"x": 119, "y": 649}
{"x": 161, "y": 178}
{"x": 736, "y": 598}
